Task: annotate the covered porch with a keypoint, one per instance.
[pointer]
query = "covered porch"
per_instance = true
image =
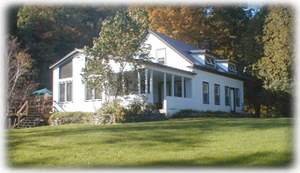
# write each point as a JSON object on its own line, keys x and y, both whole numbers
{"x": 167, "y": 88}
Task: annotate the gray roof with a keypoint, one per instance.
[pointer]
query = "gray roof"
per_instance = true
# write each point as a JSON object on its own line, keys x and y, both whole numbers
{"x": 180, "y": 47}
{"x": 185, "y": 50}
{"x": 66, "y": 57}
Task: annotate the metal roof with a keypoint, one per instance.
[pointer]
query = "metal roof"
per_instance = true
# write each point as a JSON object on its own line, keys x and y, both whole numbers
{"x": 185, "y": 50}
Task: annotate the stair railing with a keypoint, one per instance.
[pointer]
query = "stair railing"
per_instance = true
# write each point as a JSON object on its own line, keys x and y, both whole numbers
{"x": 57, "y": 107}
{"x": 23, "y": 111}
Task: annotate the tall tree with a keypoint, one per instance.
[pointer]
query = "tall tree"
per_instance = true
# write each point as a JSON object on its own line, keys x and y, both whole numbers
{"x": 21, "y": 74}
{"x": 228, "y": 26}
{"x": 120, "y": 41}
{"x": 275, "y": 68}
{"x": 254, "y": 44}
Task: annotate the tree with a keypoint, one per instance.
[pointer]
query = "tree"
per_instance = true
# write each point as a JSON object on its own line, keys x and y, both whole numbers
{"x": 217, "y": 28}
{"x": 275, "y": 68}
{"x": 185, "y": 23}
{"x": 20, "y": 73}
{"x": 254, "y": 49}
{"x": 50, "y": 32}
{"x": 121, "y": 41}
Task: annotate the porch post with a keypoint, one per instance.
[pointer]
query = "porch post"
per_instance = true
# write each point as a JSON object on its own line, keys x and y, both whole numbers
{"x": 151, "y": 82}
{"x": 172, "y": 86}
{"x": 146, "y": 81}
{"x": 182, "y": 87}
{"x": 165, "y": 85}
{"x": 139, "y": 82}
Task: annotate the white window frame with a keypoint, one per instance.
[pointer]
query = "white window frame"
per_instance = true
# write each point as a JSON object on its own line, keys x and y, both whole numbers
{"x": 227, "y": 96}
{"x": 66, "y": 98}
{"x": 205, "y": 94}
{"x": 93, "y": 95}
{"x": 161, "y": 60}
{"x": 217, "y": 94}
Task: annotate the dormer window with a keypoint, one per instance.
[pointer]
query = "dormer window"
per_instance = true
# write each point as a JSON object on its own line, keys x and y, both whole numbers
{"x": 210, "y": 61}
{"x": 232, "y": 68}
{"x": 161, "y": 56}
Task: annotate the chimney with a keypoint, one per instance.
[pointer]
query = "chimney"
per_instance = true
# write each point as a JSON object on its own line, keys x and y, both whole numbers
{"x": 207, "y": 44}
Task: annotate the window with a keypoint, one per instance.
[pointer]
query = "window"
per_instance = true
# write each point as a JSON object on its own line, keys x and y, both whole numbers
{"x": 232, "y": 68}
{"x": 210, "y": 61}
{"x": 205, "y": 93}
{"x": 227, "y": 96}
{"x": 93, "y": 94}
{"x": 65, "y": 92}
{"x": 217, "y": 94}
{"x": 69, "y": 91}
{"x": 62, "y": 92}
{"x": 178, "y": 89}
{"x": 237, "y": 97}
{"x": 65, "y": 71}
{"x": 161, "y": 56}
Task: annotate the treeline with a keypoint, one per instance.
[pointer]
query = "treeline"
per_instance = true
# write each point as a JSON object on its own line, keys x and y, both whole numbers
{"x": 259, "y": 40}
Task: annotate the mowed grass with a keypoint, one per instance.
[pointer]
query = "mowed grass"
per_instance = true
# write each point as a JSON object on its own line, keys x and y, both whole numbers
{"x": 199, "y": 142}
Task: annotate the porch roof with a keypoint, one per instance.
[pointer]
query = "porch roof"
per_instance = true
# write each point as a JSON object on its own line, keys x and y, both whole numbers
{"x": 168, "y": 67}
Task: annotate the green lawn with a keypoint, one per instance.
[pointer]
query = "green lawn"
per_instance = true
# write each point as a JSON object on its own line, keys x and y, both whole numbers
{"x": 203, "y": 142}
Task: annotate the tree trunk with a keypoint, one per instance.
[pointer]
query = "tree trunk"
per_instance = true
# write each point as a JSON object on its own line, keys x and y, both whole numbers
{"x": 257, "y": 110}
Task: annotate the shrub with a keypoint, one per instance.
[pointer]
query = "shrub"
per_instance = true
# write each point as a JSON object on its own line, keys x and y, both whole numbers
{"x": 114, "y": 109}
{"x": 70, "y": 117}
{"x": 189, "y": 113}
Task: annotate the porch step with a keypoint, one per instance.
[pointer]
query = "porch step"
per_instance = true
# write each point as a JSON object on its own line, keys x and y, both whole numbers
{"x": 29, "y": 121}
{"x": 162, "y": 111}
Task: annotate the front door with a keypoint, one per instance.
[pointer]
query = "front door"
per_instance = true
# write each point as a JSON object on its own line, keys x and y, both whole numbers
{"x": 232, "y": 100}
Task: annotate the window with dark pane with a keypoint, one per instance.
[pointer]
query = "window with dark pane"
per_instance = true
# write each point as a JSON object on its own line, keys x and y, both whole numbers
{"x": 217, "y": 94}
{"x": 66, "y": 70}
{"x": 205, "y": 93}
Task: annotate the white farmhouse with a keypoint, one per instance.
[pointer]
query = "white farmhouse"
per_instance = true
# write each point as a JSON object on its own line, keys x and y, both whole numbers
{"x": 180, "y": 76}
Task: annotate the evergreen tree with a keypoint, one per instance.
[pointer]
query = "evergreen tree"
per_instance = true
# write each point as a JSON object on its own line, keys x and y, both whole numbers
{"x": 254, "y": 44}
{"x": 276, "y": 66}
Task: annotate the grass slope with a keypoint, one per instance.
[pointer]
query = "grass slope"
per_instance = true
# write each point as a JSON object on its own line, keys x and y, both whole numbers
{"x": 179, "y": 142}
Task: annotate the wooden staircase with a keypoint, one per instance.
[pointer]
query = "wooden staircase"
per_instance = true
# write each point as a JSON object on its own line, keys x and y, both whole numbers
{"x": 29, "y": 121}
{"x": 33, "y": 113}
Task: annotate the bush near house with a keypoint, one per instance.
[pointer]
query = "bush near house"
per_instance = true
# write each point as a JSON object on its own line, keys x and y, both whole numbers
{"x": 60, "y": 118}
{"x": 112, "y": 112}
{"x": 190, "y": 113}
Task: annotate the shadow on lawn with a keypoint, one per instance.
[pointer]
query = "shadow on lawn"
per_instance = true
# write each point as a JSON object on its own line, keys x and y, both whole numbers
{"x": 251, "y": 160}
{"x": 204, "y": 125}
{"x": 153, "y": 134}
